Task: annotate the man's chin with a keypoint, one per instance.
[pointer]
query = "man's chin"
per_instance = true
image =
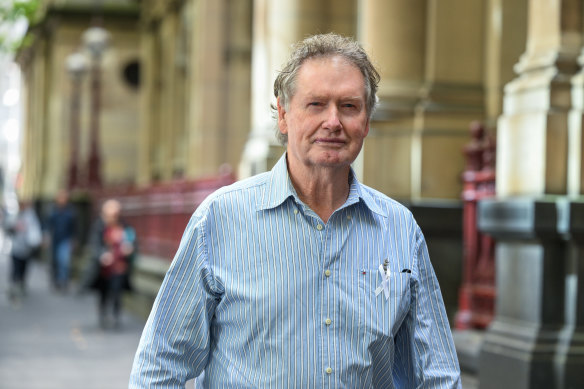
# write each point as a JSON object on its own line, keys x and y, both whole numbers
{"x": 332, "y": 161}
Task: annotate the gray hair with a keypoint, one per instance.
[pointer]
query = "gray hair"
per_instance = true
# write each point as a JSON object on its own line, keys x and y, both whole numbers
{"x": 321, "y": 46}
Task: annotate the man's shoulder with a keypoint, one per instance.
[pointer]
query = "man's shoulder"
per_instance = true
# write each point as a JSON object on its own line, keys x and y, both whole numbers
{"x": 388, "y": 206}
{"x": 243, "y": 192}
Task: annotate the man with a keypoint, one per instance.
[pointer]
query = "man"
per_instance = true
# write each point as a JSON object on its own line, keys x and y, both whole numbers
{"x": 62, "y": 229}
{"x": 302, "y": 277}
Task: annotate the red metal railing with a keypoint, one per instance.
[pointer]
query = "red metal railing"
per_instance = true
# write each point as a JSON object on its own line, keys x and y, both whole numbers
{"x": 160, "y": 213}
{"x": 476, "y": 300}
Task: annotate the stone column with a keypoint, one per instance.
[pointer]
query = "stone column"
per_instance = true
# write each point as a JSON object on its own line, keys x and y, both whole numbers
{"x": 218, "y": 93}
{"x": 394, "y": 34}
{"x": 36, "y": 151}
{"x": 30, "y": 138}
{"x": 184, "y": 37}
{"x": 168, "y": 102}
{"x": 519, "y": 348}
{"x": 571, "y": 350}
{"x": 157, "y": 98}
{"x": 431, "y": 59}
{"x": 537, "y": 337}
{"x": 506, "y": 32}
{"x": 236, "y": 84}
{"x": 531, "y": 338}
{"x": 532, "y": 153}
{"x": 147, "y": 99}
{"x": 575, "y": 140}
{"x": 35, "y": 136}
{"x": 277, "y": 25}
{"x": 207, "y": 104}
{"x": 452, "y": 96}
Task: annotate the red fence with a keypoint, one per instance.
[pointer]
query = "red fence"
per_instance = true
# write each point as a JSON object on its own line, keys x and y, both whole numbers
{"x": 161, "y": 212}
{"x": 476, "y": 301}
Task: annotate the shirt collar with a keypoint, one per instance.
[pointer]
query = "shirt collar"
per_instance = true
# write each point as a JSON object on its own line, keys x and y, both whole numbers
{"x": 279, "y": 188}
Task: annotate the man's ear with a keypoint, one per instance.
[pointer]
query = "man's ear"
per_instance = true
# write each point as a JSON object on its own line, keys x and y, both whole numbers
{"x": 366, "y": 128}
{"x": 282, "y": 125}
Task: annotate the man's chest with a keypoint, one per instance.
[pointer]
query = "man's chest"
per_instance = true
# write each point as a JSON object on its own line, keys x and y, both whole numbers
{"x": 306, "y": 280}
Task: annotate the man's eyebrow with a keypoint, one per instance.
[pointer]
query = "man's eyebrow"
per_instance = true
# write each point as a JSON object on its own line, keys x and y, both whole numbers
{"x": 345, "y": 98}
{"x": 315, "y": 97}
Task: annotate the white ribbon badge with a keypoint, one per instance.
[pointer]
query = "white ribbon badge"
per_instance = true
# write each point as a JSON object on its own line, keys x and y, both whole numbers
{"x": 384, "y": 282}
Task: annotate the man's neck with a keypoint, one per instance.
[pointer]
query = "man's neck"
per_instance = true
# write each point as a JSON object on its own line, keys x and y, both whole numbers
{"x": 323, "y": 189}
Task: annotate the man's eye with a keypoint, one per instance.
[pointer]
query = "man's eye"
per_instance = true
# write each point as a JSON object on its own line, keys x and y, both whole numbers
{"x": 314, "y": 103}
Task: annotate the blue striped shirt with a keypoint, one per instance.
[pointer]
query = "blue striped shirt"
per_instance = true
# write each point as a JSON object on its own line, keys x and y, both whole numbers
{"x": 262, "y": 293}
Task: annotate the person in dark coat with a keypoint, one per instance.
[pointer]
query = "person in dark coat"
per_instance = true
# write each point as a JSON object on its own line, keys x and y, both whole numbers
{"x": 61, "y": 225}
{"x": 113, "y": 246}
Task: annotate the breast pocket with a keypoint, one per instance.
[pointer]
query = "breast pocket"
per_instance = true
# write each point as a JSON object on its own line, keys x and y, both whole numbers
{"x": 382, "y": 316}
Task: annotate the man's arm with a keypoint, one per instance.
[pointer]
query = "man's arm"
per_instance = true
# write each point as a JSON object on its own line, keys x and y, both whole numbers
{"x": 427, "y": 338}
{"x": 175, "y": 343}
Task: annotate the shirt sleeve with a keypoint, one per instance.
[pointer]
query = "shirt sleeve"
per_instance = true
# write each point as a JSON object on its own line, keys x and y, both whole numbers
{"x": 426, "y": 337}
{"x": 174, "y": 346}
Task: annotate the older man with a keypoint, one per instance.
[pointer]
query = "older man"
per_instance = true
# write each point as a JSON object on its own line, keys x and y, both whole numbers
{"x": 302, "y": 277}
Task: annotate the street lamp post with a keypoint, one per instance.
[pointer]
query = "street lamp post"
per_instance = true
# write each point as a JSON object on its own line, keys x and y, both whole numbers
{"x": 76, "y": 67}
{"x": 95, "y": 40}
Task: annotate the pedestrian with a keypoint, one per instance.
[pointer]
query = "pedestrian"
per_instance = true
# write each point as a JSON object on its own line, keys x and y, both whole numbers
{"x": 302, "y": 277}
{"x": 26, "y": 236}
{"x": 62, "y": 228}
{"x": 113, "y": 247}
{"x": 3, "y": 226}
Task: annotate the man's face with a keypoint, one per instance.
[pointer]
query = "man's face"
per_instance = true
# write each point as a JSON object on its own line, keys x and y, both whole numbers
{"x": 326, "y": 120}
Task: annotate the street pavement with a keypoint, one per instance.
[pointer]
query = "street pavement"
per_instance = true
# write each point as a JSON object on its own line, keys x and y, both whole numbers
{"x": 51, "y": 340}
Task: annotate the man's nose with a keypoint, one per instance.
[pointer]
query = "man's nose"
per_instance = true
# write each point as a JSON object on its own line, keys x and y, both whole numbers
{"x": 332, "y": 121}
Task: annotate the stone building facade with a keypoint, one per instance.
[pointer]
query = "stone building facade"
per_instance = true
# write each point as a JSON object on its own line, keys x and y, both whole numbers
{"x": 206, "y": 74}
{"x": 49, "y": 99}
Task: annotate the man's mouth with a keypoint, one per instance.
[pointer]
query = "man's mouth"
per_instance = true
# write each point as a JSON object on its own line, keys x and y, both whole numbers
{"x": 329, "y": 141}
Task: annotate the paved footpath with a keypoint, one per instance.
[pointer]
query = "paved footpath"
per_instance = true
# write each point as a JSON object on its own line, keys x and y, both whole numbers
{"x": 53, "y": 341}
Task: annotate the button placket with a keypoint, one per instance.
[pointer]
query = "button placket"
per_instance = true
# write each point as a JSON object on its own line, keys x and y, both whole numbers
{"x": 329, "y": 285}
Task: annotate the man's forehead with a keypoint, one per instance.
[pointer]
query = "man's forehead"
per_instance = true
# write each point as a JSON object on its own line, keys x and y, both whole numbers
{"x": 311, "y": 73}
{"x": 310, "y": 64}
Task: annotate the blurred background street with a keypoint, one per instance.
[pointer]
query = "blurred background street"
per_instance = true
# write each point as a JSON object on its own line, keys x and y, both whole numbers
{"x": 52, "y": 340}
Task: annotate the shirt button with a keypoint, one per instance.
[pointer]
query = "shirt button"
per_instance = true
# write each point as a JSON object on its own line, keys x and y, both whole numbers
{"x": 328, "y": 322}
{"x": 329, "y": 370}
{"x": 295, "y": 211}
{"x": 327, "y": 273}
{"x": 319, "y": 227}
{"x": 349, "y": 217}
